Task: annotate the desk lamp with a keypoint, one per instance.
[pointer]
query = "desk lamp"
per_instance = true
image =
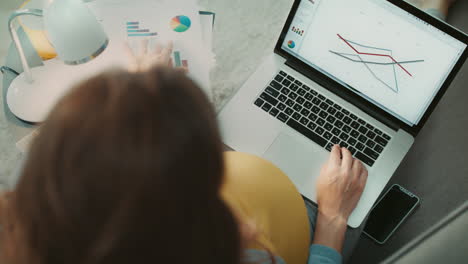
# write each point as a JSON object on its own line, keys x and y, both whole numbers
{"x": 76, "y": 36}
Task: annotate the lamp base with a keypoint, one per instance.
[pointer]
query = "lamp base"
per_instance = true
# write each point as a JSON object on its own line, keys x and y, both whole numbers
{"x": 32, "y": 102}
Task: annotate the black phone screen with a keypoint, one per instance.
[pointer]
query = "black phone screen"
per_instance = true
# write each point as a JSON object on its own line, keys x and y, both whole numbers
{"x": 389, "y": 212}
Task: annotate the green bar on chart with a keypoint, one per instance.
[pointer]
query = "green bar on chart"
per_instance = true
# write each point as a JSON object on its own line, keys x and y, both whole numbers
{"x": 178, "y": 62}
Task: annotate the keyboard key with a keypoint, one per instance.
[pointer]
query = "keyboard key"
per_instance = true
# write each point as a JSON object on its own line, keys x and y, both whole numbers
{"x": 330, "y": 102}
{"x": 266, "y": 107}
{"x": 370, "y": 143}
{"x": 285, "y": 91}
{"x": 323, "y": 98}
{"x": 269, "y": 99}
{"x": 272, "y": 92}
{"x": 324, "y": 106}
{"x": 336, "y": 131}
{"x": 308, "y": 105}
{"x": 387, "y": 137}
{"x": 343, "y": 144}
{"x": 329, "y": 146}
{"x": 282, "y": 73}
{"x": 339, "y": 124}
{"x": 259, "y": 102}
{"x": 352, "y": 150}
{"x": 331, "y": 118}
{"x": 307, "y": 88}
{"x": 360, "y": 146}
{"x": 355, "y": 134}
{"x": 327, "y": 135}
{"x": 314, "y": 92}
{"x": 315, "y": 109}
{"x": 337, "y": 106}
{"x": 335, "y": 140}
{"x": 323, "y": 114}
{"x": 328, "y": 126}
{"x": 300, "y": 100}
{"x": 363, "y": 130}
{"x": 290, "y": 102}
{"x": 339, "y": 115}
{"x": 296, "y": 116}
{"x": 289, "y": 77}
{"x": 362, "y": 138}
{"x": 378, "y": 148}
{"x": 301, "y": 92}
{"x": 309, "y": 96}
{"x": 298, "y": 83}
{"x": 316, "y": 101}
{"x": 279, "y": 78}
{"x": 297, "y": 107}
{"x": 355, "y": 125}
{"x": 281, "y": 106}
{"x": 304, "y": 121}
{"x": 292, "y": 95}
{"x": 370, "y": 134}
{"x": 312, "y": 126}
{"x": 276, "y": 85}
{"x": 351, "y": 141}
{"x": 286, "y": 82}
{"x": 347, "y": 129}
{"x": 305, "y": 112}
{"x": 282, "y": 117}
{"x": 369, "y": 152}
{"x": 344, "y": 136}
{"x": 294, "y": 87}
{"x": 347, "y": 120}
{"x": 353, "y": 116}
{"x": 346, "y": 112}
{"x": 331, "y": 110}
{"x": 320, "y": 122}
{"x": 289, "y": 111}
{"x": 370, "y": 127}
{"x": 282, "y": 98}
{"x": 319, "y": 130}
{"x": 381, "y": 141}
{"x": 313, "y": 117}
{"x": 377, "y": 131}
{"x": 362, "y": 122}
{"x": 274, "y": 112}
{"x": 364, "y": 158}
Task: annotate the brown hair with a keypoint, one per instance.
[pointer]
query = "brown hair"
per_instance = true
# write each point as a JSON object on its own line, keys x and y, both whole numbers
{"x": 127, "y": 169}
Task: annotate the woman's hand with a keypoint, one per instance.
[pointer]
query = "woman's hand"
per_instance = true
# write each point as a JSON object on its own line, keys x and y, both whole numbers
{"x": 148, "y": 57}
{"x": 340, "y": 184}
{"x": 339, "y": 188}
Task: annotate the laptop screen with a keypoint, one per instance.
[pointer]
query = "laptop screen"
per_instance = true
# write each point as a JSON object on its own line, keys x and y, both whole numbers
{"x": 381, "y": 52}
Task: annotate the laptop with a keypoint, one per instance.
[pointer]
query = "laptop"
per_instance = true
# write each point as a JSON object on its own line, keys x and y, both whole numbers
{"x": 364, "y": 74}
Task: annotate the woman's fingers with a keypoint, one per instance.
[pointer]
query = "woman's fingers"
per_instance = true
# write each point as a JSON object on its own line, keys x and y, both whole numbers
{"x": 347, "y": 161}
{"x": 335, "y": 155}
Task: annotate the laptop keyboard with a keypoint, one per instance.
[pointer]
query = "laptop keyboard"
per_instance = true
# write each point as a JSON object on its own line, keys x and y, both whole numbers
{"x": 320, "y": 119}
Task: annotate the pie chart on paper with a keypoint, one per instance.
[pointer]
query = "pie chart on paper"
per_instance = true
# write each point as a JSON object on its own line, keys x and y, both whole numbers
{"x": 180, "y": 23}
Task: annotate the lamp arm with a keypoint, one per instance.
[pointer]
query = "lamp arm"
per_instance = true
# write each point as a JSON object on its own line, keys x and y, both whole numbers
{"x": 14, "y": 36}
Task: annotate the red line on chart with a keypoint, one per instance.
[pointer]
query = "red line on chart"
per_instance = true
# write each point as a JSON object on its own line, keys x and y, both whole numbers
{"x": 374, "y": 54}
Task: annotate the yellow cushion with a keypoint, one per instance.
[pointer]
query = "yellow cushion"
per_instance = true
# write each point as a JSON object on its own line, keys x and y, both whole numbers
{"x": 257, "y": 190}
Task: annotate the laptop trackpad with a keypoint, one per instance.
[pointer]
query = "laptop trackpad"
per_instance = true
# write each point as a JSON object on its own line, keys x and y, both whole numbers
{"x": 301, "y": 162}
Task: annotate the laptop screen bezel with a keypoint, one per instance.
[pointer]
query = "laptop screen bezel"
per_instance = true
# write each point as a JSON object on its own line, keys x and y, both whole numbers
{"x": 365, "y": 105}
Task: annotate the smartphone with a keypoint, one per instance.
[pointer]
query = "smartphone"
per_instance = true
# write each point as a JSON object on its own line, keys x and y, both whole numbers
{"x": 389, "y": 212}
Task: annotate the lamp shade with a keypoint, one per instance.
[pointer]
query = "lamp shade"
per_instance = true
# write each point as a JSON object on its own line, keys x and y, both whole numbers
{"x": 74, "y": 31}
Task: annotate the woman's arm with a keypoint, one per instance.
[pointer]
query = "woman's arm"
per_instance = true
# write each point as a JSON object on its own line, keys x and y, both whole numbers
{"x": 339, "y": 188}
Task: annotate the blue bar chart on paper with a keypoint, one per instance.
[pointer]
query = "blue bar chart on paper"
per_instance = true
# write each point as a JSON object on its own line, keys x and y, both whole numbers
{"x": 178, "y": 61}
{"x": 134, "y": 30}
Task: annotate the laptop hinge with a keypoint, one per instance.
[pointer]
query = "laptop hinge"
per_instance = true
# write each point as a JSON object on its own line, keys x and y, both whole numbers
{"x": 349, "y": 96}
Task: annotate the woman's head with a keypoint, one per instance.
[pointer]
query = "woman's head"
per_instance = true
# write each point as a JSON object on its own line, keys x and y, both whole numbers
{"x": 126, "y": 169}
